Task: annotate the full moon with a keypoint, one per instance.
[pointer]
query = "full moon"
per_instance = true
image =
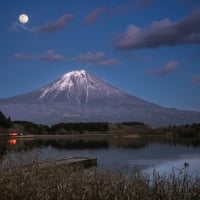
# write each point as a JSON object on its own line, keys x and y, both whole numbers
{"x": 23, "y": 18}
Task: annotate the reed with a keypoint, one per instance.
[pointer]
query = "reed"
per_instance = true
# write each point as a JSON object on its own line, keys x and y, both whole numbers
{"x": 60, "y": 182}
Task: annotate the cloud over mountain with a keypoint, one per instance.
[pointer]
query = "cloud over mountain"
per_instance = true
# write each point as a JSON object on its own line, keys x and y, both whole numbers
{"x": 89, "y": 58}
{"x": 98, "y": 58}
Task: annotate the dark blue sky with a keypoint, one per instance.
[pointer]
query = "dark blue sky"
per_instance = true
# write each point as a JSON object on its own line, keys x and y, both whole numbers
{"x": 148, "y": 48}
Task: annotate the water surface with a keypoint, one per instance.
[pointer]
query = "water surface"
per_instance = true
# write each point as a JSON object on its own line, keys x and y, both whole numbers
{"x": 146, "y": 153}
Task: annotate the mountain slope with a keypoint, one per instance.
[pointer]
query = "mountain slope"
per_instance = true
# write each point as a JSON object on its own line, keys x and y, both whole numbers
{"x": 80, "y": 96}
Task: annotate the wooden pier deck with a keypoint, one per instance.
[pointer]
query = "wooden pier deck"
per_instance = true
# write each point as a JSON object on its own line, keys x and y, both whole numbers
{"x": 85, "y": 162}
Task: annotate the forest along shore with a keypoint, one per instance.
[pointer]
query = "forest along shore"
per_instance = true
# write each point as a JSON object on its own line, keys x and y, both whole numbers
{"x": 126, "y": 129}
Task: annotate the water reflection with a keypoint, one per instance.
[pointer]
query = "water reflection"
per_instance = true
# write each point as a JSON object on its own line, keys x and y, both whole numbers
{"x": 177, "y": 166}
{"x": 72, "y": 144}
{"x": 12, "y": 141}
{"x": 92, "y": 142}
{"x": 111, "y": 152}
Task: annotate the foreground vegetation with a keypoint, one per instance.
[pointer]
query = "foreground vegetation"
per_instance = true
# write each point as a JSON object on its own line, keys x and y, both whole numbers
{"x": 61, "y": 182}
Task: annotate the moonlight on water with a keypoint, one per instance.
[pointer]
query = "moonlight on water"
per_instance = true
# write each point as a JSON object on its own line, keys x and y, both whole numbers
{"x": 23, "y": 18}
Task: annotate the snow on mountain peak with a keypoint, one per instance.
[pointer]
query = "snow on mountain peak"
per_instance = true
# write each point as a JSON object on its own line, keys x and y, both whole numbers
{"x": 65, "y": 82}
{"x": 78, "y": 73}
{"x": 78, "y": 85}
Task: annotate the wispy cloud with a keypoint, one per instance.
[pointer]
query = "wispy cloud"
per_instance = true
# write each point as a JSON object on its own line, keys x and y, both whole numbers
{"x": 109, "y": 61}
{"x": 50, "y": 56}
{"x": 161, "y": 33}
{"x": 97, "y": 58}
{"x": 132, "y": 5}
{"x": 196, "y": 79}
{"x": 54, "y": 26}
{"x": 92, "y": 17}
{"x": 169, "y": 68}
{"x": 88, "y": 58}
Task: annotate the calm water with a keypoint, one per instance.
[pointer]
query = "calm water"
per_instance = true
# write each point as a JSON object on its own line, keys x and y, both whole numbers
{"x": 112, "y": 152}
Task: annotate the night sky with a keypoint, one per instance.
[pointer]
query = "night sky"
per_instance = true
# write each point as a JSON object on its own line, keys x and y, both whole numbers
{"x": 148, "y": 48}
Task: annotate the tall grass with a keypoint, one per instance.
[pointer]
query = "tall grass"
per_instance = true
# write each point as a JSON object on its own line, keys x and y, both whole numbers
{"x": 60, "y": 182}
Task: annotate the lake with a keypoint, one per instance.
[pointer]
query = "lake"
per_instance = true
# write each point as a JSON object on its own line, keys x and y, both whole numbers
{"x": 112, "y": 152}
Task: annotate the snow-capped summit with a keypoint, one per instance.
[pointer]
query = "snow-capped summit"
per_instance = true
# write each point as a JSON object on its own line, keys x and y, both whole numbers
{"x": 77, "y": 87}
{"x": 67, "y": 81}
{"x": 80, "y": 96}
{"x": 77, "y": 73}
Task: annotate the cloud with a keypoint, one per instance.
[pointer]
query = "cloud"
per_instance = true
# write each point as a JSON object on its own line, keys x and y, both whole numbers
{"x": 109, "y": 61}
{"x": 50, "y": 56}
{"x": 196, "y": 79}
{"x": 57, "y": 25}
{"x": 129, "y": 54}
{"x": 133, "y": 5}
{"x": 91, "y": 57}
{"x": 92, "y": 17}
{"x": 88, "y": 58}
{"x": 97, "y": 58}
{"x": 161, "y": 33}
{"x": 169, "y": 68}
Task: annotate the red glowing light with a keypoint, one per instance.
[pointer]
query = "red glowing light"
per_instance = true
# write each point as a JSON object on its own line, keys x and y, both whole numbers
{"x": 12, "y": 141}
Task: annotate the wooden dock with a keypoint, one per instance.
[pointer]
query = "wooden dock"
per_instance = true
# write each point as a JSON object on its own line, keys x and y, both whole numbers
{"x": 84, "y": 162}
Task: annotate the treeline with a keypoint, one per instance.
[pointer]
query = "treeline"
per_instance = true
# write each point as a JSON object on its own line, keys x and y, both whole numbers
{"x": 182, "y": 131}
{"x": 4, "y": 121}
{"x": 61, "y": 128}
{"x": 26, "y": 127}
{"x": 80, "y": 127}
{"x": 141, "y": 124}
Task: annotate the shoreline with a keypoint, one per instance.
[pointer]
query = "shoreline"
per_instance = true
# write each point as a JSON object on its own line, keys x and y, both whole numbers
{"x": 78, "y": 135}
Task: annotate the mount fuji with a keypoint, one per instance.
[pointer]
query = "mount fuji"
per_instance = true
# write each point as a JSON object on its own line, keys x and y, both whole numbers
{"x": 79, "y": 96}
